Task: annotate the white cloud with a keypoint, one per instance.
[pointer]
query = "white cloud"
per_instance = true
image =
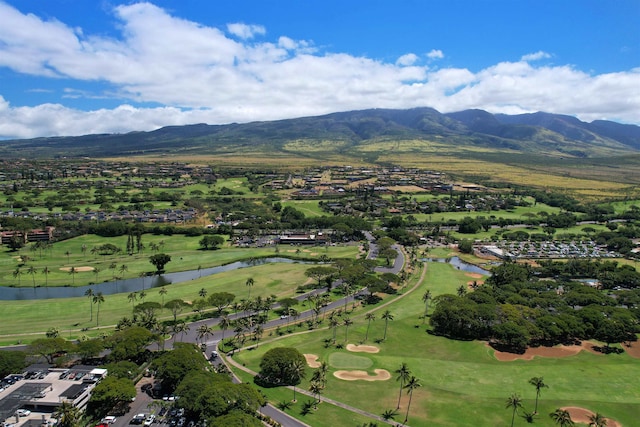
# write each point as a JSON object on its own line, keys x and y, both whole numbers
{"x": 535, "y": 56}
{"x": 200, "y": 74}
{"x": 245, "y": 31}
{"x": 408, "y": 59}
{"x": 435, "y": 54}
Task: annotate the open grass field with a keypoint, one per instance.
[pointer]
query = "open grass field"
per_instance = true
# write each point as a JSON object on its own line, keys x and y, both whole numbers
{"x": 34, "y": 317}
{"x": 462, "y": 382}
{"x": 185, "y": 255}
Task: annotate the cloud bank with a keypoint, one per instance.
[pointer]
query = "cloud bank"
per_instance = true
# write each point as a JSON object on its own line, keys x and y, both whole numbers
{"x": 200, "y": 74}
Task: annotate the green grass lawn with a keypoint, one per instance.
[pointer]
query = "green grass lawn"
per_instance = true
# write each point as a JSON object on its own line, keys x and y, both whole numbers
{"x": 462, "y": 382}
{"x": 20, "y": 320}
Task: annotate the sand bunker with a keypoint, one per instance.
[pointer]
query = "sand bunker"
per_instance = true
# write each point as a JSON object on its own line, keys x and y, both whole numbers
{"x": 312, "y": 360}
{"x": 78, "y": 269}
{"x": 633, "y": 349}
{"x": 363, "y": 348}
{"x": 581, "y": 415}
{"x": 474, "y": 275}
{"x": 557, "y": 351}
{"x": 381, "y": 375}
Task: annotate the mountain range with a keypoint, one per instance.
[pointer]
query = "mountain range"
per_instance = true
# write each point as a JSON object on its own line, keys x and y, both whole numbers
{"x": 538, "y": 133}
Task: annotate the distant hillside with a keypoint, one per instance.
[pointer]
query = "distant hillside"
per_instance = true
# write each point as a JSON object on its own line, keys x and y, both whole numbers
{"x": 539, "y": 133}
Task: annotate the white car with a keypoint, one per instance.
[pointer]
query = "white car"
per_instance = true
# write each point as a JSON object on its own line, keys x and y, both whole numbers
{"x": 150, "y": 420}
{"x": 23, "y": 412}
{"x": 109, "y": 419}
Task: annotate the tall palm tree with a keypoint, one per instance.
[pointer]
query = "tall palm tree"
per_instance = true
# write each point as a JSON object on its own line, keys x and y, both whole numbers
{"x": 562, "y": 418}
{"x": 386, "y": 316}
{"x": 46, "y": 272}
{"x": 515, "y": 402}
{"x": 297, "y": 372}
{"x": 163, "y": 291}
{"x": 142, "y": 275}
{"x": 346, "y": 322}
{"x": 16, "y": 274}
{"x": 369, "y": 317}
{"x": 257, "y": 334}
{"x": 597, "y": 420}
{"x": 98, "y": 298}
{"x": 224, "y": 325}
{"x": 68, "y": 415}
{"x": 426, "y": 297}
{"x": 73, "y": 271}
{"x": 403, "y": 376}
{"x": 96, "y": 271}
{"x": 32, "y": 271}
{"x": 333, "y": 323}
{"x": 123, "y": 269}
{"x": 538, "y": 383}
{"x": 202, "y": 293}
{"x": 412, "y": 384}
{"x": 89, "y": 294}
{"x": 389, "y": 414}
{"x": 132, "y": 297}
{"x": 250, "y": 282}
{"x": 142, "y": 295}
{"x": 203, "y": 332}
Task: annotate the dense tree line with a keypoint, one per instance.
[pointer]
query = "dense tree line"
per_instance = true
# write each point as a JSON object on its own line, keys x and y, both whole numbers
{"x": 517, "y": 309}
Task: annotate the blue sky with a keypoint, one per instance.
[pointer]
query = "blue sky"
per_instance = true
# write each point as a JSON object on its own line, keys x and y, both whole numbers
{"x": 71, "y": 67}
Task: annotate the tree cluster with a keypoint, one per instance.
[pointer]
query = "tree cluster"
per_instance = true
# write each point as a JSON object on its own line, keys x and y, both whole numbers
{"x": 516, "y": 309}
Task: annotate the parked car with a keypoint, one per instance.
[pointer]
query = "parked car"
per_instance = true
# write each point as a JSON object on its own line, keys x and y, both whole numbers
{"x": 109, "y": 419}
{"x": 23, "y": 412}
{"x": 150, "y": 420}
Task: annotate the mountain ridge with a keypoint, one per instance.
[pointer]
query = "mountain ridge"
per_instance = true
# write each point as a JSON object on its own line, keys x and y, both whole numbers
{"x": 540, "y": 133}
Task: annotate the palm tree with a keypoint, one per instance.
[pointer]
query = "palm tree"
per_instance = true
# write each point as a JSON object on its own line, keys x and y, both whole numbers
{"x": 386, "y": 316}
{"x": 123, "y": 268}
{"x": 333, "y": 323}
{"x": 224, "y": 325}
{"x": 89, "y": 293}
{"x": 346, "y": 322}
{"x": 68, "y": 254}
{"x": 369, "y": 317}
{"x": 163, "y": 291}
{"x": 32, "y": 271}
{"x": 203, "y": 293}
{"x": 412, "y": 384}
{"x": 403, "y": 376}
{"x": 203, "y": 332}
{"x": 98, "y": 299}
{"x": 250, "y": 282}
{"x": 514, "y": 401}
{"x": 597, "y": 420}
{"x": 389, "y": 414}
{"x": 142, "y": 275}
{"x": 425, "y": 298}
{"x": 16, "y": 274}
{"x": 257, "y": 334}
{"x": 46, "y": 272}
{"x": 67, "y": 414}
{"x": 72, "y": 272}
{"x": 96, "y": 271}
{"x": 298, "y": 372}
{"x": 538, "y": 383}
{"x": 132, "y": 297}
{"x": 562, "y": 418}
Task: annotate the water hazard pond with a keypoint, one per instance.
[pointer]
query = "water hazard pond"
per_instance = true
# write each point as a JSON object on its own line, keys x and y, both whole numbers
{"x": 133, "y": 285}
{"x": 459, "y": 264}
